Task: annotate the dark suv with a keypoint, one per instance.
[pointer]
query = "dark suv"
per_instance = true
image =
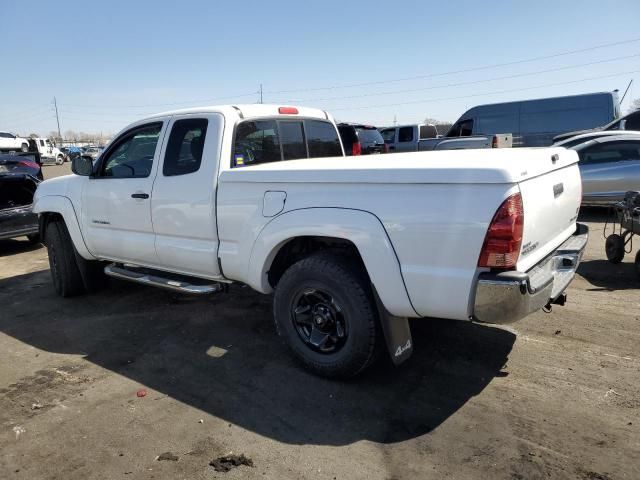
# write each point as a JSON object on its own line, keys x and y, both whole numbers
{"x": 361, "y": 139}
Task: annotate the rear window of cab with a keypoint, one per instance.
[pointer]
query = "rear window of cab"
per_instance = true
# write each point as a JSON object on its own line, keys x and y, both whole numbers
{"x": 271, "y": 140}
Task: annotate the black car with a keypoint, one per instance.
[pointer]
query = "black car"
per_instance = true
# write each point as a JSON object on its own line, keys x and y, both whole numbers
{"x": 19, "y": 178}
{"x": 360, "y": 139}
{"x": 630, "y": 121}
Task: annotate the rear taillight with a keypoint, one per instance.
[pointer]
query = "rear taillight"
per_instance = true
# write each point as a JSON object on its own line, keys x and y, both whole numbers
{"x": 26, "y": 163}
{"x": 502, "y": 243}
{"x": 386, "y": 148}
{"x": 356, "y": 149}
{"x": 288, "y": 110}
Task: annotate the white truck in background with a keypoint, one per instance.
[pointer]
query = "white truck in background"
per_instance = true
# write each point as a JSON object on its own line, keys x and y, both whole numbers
{"x": 49, "y": 152}
{"x": 10, "y": 142}
{"x": 193, "y": 200}
{"x": 423, "y": 137}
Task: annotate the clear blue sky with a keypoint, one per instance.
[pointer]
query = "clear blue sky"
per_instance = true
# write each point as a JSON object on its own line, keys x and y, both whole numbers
{"x": 111, "y": 62}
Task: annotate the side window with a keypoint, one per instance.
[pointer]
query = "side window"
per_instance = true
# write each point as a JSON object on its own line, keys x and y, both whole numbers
{"x": 256, "y": 142}
{"x": 184, "y": 149}
{"x": 633, "y": 121}
{"x": 405, "y": 134}
{"x": 292, "y": 139}
{"x": 389, "y": 135}
{"x": 322, "y": 139}
{"x": 42, "y": 143}
{"x": 132, "y": 156}
{"x": 610, "y": 152}
{"x": 461, "y": 129}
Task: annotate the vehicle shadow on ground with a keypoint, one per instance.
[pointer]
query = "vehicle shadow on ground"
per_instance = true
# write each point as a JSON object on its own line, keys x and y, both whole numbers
{"x": 596, "y": 215}
{"x": 15, "y": 246}
{"x": 222, "y": 355}
{"x": 607, "y": 276}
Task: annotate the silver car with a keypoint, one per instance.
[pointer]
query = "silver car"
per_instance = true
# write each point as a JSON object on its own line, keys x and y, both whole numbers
{"x": 610, "y": 166}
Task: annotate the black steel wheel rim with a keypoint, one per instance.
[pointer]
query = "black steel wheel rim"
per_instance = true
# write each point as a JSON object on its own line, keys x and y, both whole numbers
{"x": 319, "y": 320}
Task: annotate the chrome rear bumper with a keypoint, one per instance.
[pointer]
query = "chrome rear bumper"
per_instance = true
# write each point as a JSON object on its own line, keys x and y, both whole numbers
{"x": 509, "y": 296}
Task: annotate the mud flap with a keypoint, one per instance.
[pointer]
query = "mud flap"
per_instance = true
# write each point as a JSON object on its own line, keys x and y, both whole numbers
{"x": 397, "y": 334}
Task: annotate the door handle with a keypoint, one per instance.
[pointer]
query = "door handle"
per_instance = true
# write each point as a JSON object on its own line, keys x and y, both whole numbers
{"x": 140, "y": 195}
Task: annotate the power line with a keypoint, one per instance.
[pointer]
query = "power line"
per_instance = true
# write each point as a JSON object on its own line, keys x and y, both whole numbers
{"x": 464, "y": 70}
{"x": 472, "y": 82}
{"x": 430, "y": 100}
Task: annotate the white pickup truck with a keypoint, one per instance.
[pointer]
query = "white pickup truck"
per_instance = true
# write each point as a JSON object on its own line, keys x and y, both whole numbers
{"x": 261, "y": 195}
{"x": 10, "y": 142}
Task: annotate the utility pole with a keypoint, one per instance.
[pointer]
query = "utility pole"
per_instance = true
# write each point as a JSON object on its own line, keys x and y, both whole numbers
{"x": 260, "y": 93}
{"x": 395, "y": 121}
{"x": 55, "y": 104}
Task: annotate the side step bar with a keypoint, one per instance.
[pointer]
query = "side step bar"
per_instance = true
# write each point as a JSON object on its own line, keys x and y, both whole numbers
{"x": 176, "y": 283}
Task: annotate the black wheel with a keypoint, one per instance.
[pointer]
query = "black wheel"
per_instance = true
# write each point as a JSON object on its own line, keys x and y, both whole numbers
{"x": 65, "y": 274}
{"x": 325, "y": 313}
{"x": 24, "y": 147}
{"x": 35, "y": 238}
{"x": 614, "y": 247}
{"x": 637, "y": 264}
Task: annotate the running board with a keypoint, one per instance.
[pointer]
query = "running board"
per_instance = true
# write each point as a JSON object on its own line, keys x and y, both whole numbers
{"x": 168, "y": 281}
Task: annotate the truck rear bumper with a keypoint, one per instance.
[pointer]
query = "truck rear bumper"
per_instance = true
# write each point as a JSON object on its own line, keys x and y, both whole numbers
{"x": 509, "y": 296}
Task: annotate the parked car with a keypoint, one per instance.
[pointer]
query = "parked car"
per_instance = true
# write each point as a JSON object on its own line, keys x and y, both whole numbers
{"x": 358, "y": 139}
{"x": 92, "y": 152}
{"x": 19, "y": 179}
{"x": 631, "y": 121}
{"x": 536, "y": 123}
{"x": 585, "y": 137}
{"x": 196, "y": 199}
{"x": 609, "y": 166}
{"x": 22, "y": 164}
{"x": 11, "y": 142}
{"x": 420, "y": 137}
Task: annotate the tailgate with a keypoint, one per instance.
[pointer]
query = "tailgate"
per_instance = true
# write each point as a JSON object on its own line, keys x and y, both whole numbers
{"x": 551, "y": 203}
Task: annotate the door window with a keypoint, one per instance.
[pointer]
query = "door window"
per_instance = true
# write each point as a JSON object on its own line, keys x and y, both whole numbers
{"x": 132, "y": 156}
{"x": 322, "y": 139}
{"x": 256, "y": 142}
{"x": 292, "y": 140}
{"x": 405, "y": 134}
{"x": 610, "y": 152}
{"x": 185, "y": 146}
{"x": 461, "y": 129}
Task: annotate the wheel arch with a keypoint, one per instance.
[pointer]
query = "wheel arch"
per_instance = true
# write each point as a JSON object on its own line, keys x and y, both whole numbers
{"x": 288, "y": 237}
{"x": 54, "y": 207}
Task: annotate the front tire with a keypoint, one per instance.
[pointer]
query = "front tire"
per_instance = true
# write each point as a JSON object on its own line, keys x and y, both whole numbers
{"x": 59, "y": 160}
{"x": 325, "y": 312}
{"x": 67, "y": 280}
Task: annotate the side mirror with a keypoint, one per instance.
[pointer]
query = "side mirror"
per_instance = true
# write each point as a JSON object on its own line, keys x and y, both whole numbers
{"x": 82, "y": 166}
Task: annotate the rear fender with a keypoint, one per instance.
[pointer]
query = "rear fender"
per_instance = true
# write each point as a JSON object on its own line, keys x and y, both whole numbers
{"x": 361, "y": 228}
{"x": 63, "y": 206}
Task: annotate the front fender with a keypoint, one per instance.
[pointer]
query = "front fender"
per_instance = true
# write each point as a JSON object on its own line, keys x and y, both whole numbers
{"x": 362, "y": 228}
{"x": 63, "y": 206}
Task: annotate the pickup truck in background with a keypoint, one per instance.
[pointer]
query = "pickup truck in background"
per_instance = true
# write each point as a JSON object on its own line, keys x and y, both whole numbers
{"x": 49, "y": 153}
{"x": 10, "y": 142}
{"x": 420, "y": 137}
{"x": 196, "y": 199}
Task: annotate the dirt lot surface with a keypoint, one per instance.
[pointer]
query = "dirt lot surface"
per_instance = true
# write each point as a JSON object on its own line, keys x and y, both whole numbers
{"x": 552, "y": 396}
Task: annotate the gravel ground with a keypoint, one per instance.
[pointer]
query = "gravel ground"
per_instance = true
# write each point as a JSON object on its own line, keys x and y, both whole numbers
{"x": 552, "y": 396}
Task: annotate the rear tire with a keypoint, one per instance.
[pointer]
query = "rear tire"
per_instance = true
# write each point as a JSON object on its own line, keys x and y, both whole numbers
{"x": 337, "y": 293}
{"x": 614, "y": 248}
{"x": 67, "y": 280}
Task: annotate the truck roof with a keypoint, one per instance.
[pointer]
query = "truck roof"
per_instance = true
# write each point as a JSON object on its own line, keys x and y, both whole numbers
{"x": 250, "y": 111}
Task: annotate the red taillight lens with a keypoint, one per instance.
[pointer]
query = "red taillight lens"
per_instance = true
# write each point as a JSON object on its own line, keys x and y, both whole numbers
{"x": 26, "y": 163}
{"x": 288, "y": 110}
{"x": 356, "y": 149}
{"x": 502, "y": 243}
